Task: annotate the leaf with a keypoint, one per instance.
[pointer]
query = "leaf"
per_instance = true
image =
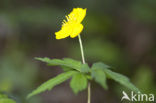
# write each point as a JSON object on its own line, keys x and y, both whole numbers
{"x": 52, "y": 82}
{"x": 121, "y": 79}
{"x": 99, "y": 77}
{"x": 72, "y": 63}
{"x": 78, "y": 82}
{"x": 115, "y": 76}
{"x": 6, "y": 100}
{"x": 100, "y": 65}
{"x": 85, "y": 68}
{"x": 88, "y": 76}
{"x": 65, "y": 62}
{"x": 66, "y": 69}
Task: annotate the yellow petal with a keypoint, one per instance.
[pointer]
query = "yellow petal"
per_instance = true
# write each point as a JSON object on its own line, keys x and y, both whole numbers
{"x": 72, "y": 26}
{"x": 60, "y": 35}
{"x": 64, "y": 32}
{"x": 77, "y": 29}
{"x": 77, "y": 15}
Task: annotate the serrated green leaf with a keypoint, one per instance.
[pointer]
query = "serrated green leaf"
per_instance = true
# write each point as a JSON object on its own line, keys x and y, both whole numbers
{"x": 99, "y": 77}
{"x": 98, "y": 74}
{"x": 115, "y": 76}
{"x": 121, "y": 79}
{"x": 6, "y": 100}
{"x": 85, "y": 68}
{"x": 52, "y": 82}
{"x": 66, "y": 69}
{"x": 78, "y": 82}
{"x": 100, "y": 65}
{"x": 65, "y": 62}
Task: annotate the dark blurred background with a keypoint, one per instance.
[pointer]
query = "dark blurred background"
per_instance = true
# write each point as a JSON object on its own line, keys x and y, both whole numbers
{"x": 120, "y": 33}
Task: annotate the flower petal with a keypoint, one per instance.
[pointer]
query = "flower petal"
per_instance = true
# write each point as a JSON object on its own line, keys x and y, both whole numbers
{"x": 72, "y": 26}
{"x": 77, "y": 15}
{"x": 77, "y": 29}
{"x": 61, "y": 35}
{"x": 64, "y": 32}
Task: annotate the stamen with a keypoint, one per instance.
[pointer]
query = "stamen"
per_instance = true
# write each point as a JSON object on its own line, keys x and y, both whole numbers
{"x": 67, "y": 18}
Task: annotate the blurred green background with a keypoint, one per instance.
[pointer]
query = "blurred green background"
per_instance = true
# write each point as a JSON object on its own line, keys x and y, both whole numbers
{"x": 121, "y": 33}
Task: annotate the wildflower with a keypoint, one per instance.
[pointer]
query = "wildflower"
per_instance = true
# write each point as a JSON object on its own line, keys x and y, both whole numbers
{"x": 72, "y": 26}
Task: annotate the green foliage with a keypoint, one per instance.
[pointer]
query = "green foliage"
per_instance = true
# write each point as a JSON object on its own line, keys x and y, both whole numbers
{"x": 115, "y": 76}
{"x": 121, "y": 79}
{"x": 65, "y": 69}
{"x": 78, "y": 82}
{"x": 5, "y": 99}
{"x": 52, "y": 82}
{"x": 98, "y": 74}
{"x": 81, "y": 74}
{"x": 67, "y": 62}
{"x": 100, "y": 77}
{"x": 100, "y": 66}
{"x": 85, "y": 68}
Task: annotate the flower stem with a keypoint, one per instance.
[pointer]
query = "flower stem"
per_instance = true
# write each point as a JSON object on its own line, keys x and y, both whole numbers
{"x": 83, "y": 61}
{"x": 89, "y": 93}
{"x": 81, "y": 47}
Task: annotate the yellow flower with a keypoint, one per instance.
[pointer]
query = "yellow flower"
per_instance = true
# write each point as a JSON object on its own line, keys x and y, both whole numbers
{"x": 72, "y": 26}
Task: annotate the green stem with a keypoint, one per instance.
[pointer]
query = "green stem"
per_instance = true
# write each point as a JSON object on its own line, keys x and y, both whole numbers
{"x": 81, "y": 47}
{"x": 89, "y": 93}
{"x": 83, "y": 61}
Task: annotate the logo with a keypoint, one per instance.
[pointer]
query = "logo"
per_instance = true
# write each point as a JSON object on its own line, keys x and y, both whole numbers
{"x": 137, "y": 96}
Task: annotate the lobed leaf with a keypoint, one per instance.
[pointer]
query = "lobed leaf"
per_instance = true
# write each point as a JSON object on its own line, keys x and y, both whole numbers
{"x": 66, "y": 69}
{"x": 98, "y": 74}
{"x": 123, "y": 80}
{"x": 85, "y": 68}
{"x": 100, "y": 77}
{"x": 52, "y": 82}
{"x": 78, "y": 82}
{"x": 100, "y": 65}
{"x": 67, "y": 62}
